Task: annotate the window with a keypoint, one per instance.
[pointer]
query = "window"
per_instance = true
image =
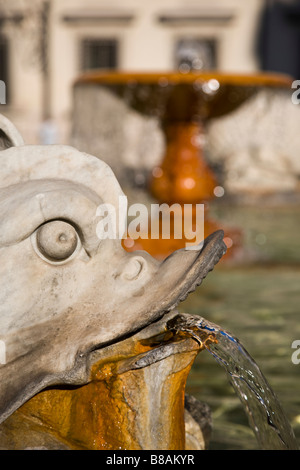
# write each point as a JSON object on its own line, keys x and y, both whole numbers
{"x": 195, "y": 54}
{"x": 99, "y": 54}
{"x": 4, "y": 63}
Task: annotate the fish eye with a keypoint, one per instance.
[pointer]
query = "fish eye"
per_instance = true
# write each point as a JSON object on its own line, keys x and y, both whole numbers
{"x": 56, "y": 241}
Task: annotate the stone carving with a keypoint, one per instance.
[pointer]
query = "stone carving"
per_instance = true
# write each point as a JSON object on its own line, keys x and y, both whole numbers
{"x": 82, "y": 321}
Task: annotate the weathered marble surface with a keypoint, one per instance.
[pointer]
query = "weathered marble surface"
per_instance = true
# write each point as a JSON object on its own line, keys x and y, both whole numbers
{"x": 64, "y": 292}
{"x": 258, "y": 145}
{"x": 129, "y": 142}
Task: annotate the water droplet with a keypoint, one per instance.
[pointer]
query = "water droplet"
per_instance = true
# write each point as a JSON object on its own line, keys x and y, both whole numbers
{"x": 128, "y": 242}
{"x": 157, "y": 172}
{"x": 211, "y": 87}
{"x": 228, "y": 242}
{"x": 189, "y": 183}
{"x": 197, "y": 64}
{"x": 219, "y": 191}
{"x": 213, "y": 84}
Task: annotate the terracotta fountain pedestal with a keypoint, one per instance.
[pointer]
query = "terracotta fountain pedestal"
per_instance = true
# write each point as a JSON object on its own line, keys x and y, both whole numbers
{"x": 184, "y": 103}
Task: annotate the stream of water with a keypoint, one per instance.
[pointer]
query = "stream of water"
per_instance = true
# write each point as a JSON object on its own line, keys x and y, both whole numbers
{"x": 266, "y": 417}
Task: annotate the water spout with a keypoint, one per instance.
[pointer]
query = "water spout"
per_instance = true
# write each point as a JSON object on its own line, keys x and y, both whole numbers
{"x": 266, "y": 417}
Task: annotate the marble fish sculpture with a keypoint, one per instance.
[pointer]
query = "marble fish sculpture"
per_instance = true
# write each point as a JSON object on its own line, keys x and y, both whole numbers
{"x": 64, "y": 292}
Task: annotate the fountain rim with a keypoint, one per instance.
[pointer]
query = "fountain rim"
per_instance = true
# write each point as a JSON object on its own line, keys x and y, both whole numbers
{"x": 120, "y": 77}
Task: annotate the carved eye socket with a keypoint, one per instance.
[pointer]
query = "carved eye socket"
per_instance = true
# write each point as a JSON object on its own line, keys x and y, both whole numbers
{"x": 56, "y": 241}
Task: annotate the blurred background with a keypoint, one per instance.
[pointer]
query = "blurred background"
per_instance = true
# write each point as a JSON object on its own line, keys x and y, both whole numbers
{"x": 252, "y": 148}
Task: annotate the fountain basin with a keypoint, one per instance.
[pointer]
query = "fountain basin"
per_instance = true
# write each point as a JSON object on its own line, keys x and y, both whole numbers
{"x": 177, "y": 97}
{"x": 183, "y": 104}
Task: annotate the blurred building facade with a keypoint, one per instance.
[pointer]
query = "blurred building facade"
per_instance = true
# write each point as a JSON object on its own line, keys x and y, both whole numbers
{"x": 46, "y": 44}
